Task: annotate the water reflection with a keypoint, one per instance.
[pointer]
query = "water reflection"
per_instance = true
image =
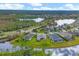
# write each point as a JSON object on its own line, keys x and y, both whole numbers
{"x": 64, "y": 21}
{"x": 36, "y": 19}
{"x": 64, "y": 52}
{"x": 8, "y": 47}
{"x": 69, "y": 51}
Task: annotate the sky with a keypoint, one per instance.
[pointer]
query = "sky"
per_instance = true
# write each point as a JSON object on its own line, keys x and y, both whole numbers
{"x": 39, "y": 6}
{"x": 39, "y": 1}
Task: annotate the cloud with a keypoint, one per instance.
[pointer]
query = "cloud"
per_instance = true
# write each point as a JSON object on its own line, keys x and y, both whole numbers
{"x": 64, "y": 7}
{"x": 48, "y": 8}
{"x": 11, "y": 6}
{"x": 39, "y": 1}
{"x": 36, "y": 4}
{"x": 71, "y": 7}
{"x": 42, "y": 8}
{"x": 68, "y": 7}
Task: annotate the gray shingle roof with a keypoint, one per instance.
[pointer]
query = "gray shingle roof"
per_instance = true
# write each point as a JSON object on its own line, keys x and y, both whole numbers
{"x": 28, "y": 36}
{"x": 41, "y": 36}
{"x": 55, "y": 38}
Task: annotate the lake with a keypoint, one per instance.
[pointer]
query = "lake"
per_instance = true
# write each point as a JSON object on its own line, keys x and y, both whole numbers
{"x": 65, "y": 21}
{"x": 8, "y": 47}
{"x": 68, "y": 51}
{"x": 36, "y": 19}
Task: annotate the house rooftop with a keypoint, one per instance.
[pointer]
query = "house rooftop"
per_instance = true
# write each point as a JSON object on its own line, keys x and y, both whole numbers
{"x": 55, "y": 37}
{"x": 41, "y": 36}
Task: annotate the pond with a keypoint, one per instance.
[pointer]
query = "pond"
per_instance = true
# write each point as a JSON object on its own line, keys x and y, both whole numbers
{"x": 64, "y": 21}
{"x": 36, "y": 19}
{"x": 8, "y": 47}
{"x": 68, "y": 51}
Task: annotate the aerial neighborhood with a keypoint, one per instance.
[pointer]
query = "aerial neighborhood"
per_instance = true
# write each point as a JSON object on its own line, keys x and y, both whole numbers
{"x": 38, "y": 33}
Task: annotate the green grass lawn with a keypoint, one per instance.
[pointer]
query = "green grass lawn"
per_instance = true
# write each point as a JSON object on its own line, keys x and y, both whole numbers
{"x": 44, "y": 43}
{"x": 38, "y": 53}
{"x": 40, "y": 30}
{"x": 29, "y": 52}
{"x": 32, "y": 43}
{"x": 4, "y": 34}
{"x": 17, "y": 53}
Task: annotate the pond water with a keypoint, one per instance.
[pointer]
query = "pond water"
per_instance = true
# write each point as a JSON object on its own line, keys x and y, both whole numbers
{"x": 65, "y": 21}
{"x": 68, "y": 51}
{"x": 36, "y": 19}
{"x": 8, "y": 47}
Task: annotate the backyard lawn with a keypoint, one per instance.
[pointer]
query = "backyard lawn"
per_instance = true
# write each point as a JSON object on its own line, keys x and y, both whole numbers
{"x": 44, "y": 43}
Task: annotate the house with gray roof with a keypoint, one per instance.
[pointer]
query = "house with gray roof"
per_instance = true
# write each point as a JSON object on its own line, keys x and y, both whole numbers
{"x": 41, "y": 36}
{"x": 66, "y": 35}
{"x": 28, "y": 36}
{"x": 55, "y": 37}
